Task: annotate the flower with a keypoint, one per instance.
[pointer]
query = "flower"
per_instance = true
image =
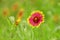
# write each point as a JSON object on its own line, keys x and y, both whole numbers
{"x": 36, "y": 18}
{"x": 15, "y": 6}
{"x": 5, "y": 12}
{"x": 19, "y": 16}
{"x": 20, "y": 13}
{"x": 17, "y": 21}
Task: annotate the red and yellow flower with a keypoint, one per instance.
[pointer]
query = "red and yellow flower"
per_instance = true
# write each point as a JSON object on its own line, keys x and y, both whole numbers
{"x": 36, "y": 18}
{"x": 5, "y": 12}
{"x": 15, "y": 6}
{"x": 19, "y": 16}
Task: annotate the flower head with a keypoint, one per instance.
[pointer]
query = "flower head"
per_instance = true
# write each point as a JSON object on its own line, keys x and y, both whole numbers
{"x": 5, "y": 12}
{"x": 19, "y": 16}
{"x": 15, "y": 6}
{"x": 36, "y": 18}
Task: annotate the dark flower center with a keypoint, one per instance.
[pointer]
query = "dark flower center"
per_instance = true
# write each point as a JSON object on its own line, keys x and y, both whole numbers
{"x": 36, "y": 19}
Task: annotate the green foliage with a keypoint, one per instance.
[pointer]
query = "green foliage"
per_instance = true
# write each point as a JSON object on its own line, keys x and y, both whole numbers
{"x": 49, "y": 30}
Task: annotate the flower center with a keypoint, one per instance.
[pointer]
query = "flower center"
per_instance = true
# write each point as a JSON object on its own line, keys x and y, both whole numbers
{"x": 36, "y": 19}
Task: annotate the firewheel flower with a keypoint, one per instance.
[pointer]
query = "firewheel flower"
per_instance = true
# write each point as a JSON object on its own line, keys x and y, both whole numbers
{"x": 36, "y": 18}
{"x": 15, "y": 6}
{"x": 5, "y": 12}
{"x": 19, "y": 16}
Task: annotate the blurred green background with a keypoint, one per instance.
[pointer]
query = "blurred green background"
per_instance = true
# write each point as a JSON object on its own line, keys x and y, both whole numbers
{"x": 49, "y": 30}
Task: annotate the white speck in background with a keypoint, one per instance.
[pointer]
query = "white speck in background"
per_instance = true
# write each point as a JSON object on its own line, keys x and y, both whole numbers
{"x": 49, "y": 13}
{"x": 57, "y": 28}
{"x": 58, "y": 4}
{"x": 53, "y": 38}
{"x": 12, "y": 19}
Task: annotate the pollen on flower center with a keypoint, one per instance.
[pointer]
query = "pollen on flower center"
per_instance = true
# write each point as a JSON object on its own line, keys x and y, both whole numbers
{"x": 36, "y": 19}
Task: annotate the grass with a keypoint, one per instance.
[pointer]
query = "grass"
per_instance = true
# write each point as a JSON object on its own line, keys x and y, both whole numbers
{"x": 49, "y": 30}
